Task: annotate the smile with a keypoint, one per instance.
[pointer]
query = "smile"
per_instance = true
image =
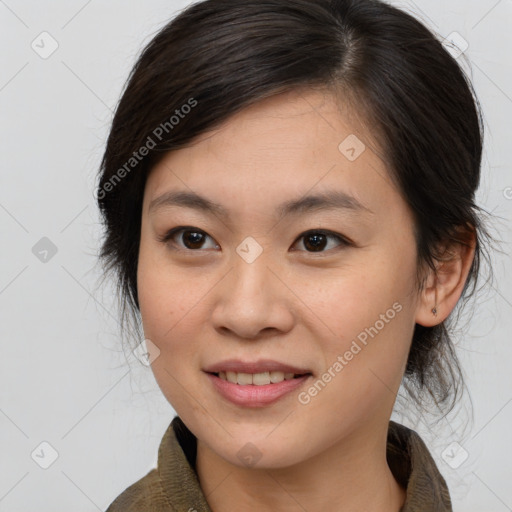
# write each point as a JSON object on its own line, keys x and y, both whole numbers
{"x": 256, "y": 379}
{"x": 255, "y": 383}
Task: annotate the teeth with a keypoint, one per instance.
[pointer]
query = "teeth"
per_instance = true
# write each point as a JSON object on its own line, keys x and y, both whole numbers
{"x": 231, "y": 377}
{"x": 244, "y": 378}
{"x": 276, "y": 377}
{"x": 257, "y": 379}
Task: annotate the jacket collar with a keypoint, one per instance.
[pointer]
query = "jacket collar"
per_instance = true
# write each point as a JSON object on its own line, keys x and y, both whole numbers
{"x": 414, "y": 468}
{"x": 407, "y": 455}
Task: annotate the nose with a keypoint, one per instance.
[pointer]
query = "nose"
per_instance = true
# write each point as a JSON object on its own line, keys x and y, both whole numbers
{"x": 252, "y": 302}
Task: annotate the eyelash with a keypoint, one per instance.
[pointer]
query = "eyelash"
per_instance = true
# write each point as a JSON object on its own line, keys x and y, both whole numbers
{"x": 168, "y": 237}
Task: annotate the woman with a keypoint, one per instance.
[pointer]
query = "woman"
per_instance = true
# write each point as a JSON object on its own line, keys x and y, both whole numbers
{"x": 288, "y": 194}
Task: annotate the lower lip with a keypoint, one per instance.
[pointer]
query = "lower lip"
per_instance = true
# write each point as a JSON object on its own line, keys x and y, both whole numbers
{"x": 255, "y": 396}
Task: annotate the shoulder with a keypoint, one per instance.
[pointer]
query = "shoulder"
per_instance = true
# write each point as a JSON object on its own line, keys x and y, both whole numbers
{"x": 144, "y": 495}
{"x": 173, "y": 484}
{"x": 414, "y": 468}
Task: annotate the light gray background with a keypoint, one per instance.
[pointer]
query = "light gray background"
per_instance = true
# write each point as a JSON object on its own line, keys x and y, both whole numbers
{"x": 64, "y": 378}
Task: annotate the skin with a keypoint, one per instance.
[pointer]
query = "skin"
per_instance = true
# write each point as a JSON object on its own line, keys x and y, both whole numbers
{"x": 207, "y": 304}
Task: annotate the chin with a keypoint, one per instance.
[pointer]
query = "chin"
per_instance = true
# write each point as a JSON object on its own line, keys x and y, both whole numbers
{"x": 245, "y": 449}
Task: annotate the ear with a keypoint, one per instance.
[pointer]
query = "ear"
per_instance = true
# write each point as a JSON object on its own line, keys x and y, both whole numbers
{"x": 443, "y": 287}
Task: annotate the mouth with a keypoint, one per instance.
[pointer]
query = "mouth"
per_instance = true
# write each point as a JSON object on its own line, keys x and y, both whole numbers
{"x": 256, "y": 384}
{"x": 257, "y": 379}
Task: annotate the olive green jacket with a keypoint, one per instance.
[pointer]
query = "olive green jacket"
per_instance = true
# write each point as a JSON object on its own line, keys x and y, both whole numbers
{"x": 173, "y": 486}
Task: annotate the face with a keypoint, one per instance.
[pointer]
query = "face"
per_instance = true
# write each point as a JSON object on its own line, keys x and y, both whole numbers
{"x": 275, "y": 248}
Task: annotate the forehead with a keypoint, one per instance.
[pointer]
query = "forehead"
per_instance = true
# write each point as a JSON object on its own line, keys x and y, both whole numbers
{"x": 277, "y": 149}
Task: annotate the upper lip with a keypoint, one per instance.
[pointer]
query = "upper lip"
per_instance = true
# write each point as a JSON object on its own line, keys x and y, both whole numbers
{"x": 260, "y": 366}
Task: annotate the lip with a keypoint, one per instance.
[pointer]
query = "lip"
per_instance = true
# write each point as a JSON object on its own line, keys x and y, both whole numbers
{"x": 251, "y": 395}
{"x": 260, "y": 366}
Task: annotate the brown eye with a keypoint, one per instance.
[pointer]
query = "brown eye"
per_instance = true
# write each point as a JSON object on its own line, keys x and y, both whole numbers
{"x": 192, "y": 239}
{"x": 315, "y": 242}
{"x": 189, "y": 238}
{"x": 318, "y": 241}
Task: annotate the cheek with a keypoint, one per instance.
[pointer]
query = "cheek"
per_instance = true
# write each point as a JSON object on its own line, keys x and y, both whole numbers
{"x": 169, "y": 305}
{"x": 354, "y": 297}
{"x": 166, "y": 294}
{"x": 365, "y": 359}
{"x": 370, "y": 320}
{"x": 175, "y": 306}
{"x": 170, "y": 314}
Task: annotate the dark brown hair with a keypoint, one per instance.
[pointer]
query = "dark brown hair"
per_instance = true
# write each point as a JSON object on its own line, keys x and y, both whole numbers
{"x": 220, "y": 56}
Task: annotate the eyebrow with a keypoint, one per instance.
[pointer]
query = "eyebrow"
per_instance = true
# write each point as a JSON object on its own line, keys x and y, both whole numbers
{"x": 334, "y": 199}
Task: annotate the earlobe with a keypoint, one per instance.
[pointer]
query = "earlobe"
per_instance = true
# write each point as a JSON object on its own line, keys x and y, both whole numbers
{"x": 427, "y": 311}
{"x": 444, "y": 285}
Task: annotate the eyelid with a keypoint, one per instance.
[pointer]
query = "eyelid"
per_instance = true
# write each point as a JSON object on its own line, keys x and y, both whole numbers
{"x": 344, "y": 241}
{"x": 168, "y": 235}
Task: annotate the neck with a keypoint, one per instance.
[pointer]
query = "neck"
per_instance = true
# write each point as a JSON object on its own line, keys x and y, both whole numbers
{"x": 350, "y": 476}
